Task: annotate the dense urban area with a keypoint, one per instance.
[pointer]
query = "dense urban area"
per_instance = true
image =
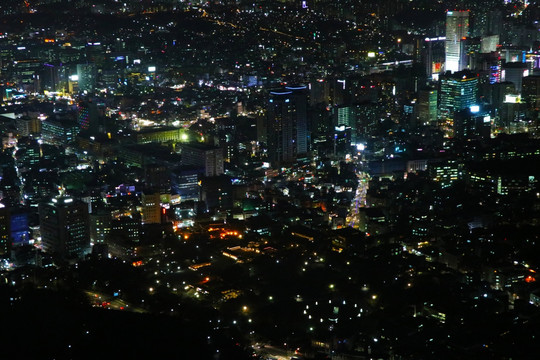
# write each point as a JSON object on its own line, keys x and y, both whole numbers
{"x": 290, "y": 179}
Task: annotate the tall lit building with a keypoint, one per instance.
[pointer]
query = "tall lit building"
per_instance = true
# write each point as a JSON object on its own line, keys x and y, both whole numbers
{"x": 100, "y": 226}
{"x": 427, "y": 106}
{"x": 457, "y": 29}
{"x": 514, "y": 72}
{"x": 5, "y": 242}
{"x": 87, "y": 116}
{"x": 346, "y": 116}
{"x": 458, "y": 91}
{"x": 151, "y": 208}
{"x": 531, "y": 92}
{"x": 472, "y": 124}
{"x": 87, "y": 75}
{"x": 14, "y": 230}
{"x": 287, "y": 135}
{"x": 27, "y": 125}
{"x": 64, "y": 226}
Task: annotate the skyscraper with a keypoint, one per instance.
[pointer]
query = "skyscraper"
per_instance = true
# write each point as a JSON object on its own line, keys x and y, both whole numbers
{"x": 458, "y": 91}
{"x": 346, "y": 116}
{"x": 531, "y": 92}
{"x": 287, "y": 135}
{"x": 427, "y": 106}
{"x": 88, "y": 116}
{"x": 64, "y": 225}
{"x": 87, "y": 77}
{"x": 457, "y": 29}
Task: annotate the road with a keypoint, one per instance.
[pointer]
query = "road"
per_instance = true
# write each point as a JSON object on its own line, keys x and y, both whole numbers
{"x": 98, "y": 299}
{"x": 272, "y": 352}
{"x": 359, "y": 200}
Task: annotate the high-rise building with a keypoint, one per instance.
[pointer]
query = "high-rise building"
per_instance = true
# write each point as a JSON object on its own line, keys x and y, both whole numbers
{"x": 5, "y": 243}
{"x": 368, "y": 116}
{"x": 319, "y": 92}
{"x": 14, "y": 230}
{"x": 86, "y": 77}
{"x": 458, "y": 91}
{"x": 531, "y": 92}
{"x": 27, "y": 125}
{"x": 472, "y": 124}
{"x": 346, "y": 116}
{"x": 87, "y": 116}
{"x": 158, "y": 178}
{"x": 64, "y": 226}
{"x": 427, "y": 106}
{"x": 499, "y": 92}
{"x": 514, "y": 72}
{"x": 434, "y": 56}
{"x": 457, "y": 29}
{"x": 287, "y": 133}
{"x": 59, "y": 131}
{"x": 100, "y": 226}
{"x": 208, "y": 158}
{"x": 19, "y": 229}
{"x": 151, "y": 208}
{"x": 185, "y": 182}
{"x": 489, "y": 44}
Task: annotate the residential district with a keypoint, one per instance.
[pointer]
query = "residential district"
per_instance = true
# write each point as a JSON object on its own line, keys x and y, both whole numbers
{"x": 270, "y": 179}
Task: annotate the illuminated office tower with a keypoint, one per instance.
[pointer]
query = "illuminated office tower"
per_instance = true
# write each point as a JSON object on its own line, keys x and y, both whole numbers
{"x": 458, "y": 91}
{"x": 287, "y": 136}
{"x": 100, "y": 226}
{"x": 64, "y": 225}
{"x": 427, "y": 106}
{"x": 87, "y": 75}
{"x": 457, "y": 29}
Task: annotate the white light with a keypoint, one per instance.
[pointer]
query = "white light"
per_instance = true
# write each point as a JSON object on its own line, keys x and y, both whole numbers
{"x": 74, "y": 77}
{"x": 475, "y": 108}
{"x": 151, "y": 69}
{"x": 513, "y": 99}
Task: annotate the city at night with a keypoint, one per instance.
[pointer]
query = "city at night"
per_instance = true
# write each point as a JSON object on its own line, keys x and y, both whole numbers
{"x": 270, "y": 179}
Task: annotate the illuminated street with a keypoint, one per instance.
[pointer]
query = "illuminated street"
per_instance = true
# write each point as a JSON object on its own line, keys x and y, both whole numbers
{"x": 359, "y": 200}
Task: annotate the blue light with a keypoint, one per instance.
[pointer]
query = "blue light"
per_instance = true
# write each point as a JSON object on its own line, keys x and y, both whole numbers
{"x": 295, "y": 87}
{"x": 280, "y": 92}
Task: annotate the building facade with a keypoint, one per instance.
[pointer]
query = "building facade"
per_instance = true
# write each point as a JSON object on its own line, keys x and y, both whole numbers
{"x": 457, "y": 29}
{"x": 64, "y": 225}
{"x": 287, "y": 133}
